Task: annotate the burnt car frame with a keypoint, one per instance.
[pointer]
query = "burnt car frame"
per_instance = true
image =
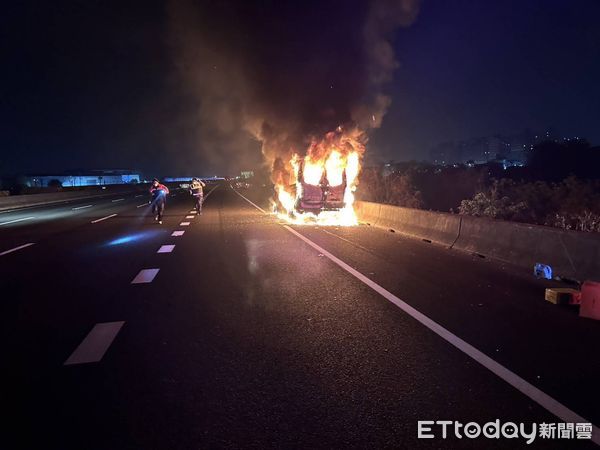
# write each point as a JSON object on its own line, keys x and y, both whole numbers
{"x": 321, "y": 197}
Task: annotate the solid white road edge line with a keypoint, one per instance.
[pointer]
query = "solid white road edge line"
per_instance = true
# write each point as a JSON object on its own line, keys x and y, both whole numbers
{"x": 103, "y": 218}
{"x": 17, "y": 220}
{"x": 250, "y": 201}
{"x": 535, "y": 394}
{"x": 6, "y": 252}
{"x": 210, "y": 192}
{"x": 95, "y": 344}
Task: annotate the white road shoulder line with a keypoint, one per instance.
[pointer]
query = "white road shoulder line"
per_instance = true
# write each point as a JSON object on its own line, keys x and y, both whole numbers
{"x": 165, "y": 249}
{"x": 184, "y": 224}
{"x": 250, "y": 201}
{"x": 117, "y": 200}
{"x": 103, "y": 218}
{"x": 210, "y": 192}
{"x": 20, "y": 247}
{"x": 95, "y": 344}
{"x": 177, "y": 233}
{"x": 526, "y": 388}
{"x": 81, "y": 207}
{"x": 145, "y": 276}
{"x": 17, "y": 220}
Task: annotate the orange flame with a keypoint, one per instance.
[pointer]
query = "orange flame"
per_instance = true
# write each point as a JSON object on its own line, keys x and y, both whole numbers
{"x": 324, "y": 181}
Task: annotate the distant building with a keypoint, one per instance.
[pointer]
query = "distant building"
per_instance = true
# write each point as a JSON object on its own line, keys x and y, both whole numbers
{"x": 513, "y": 148}
{"x": 83, "y": 178}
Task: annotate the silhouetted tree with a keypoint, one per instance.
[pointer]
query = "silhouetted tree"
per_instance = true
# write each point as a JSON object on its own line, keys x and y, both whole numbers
{"x": 554, "y": 161}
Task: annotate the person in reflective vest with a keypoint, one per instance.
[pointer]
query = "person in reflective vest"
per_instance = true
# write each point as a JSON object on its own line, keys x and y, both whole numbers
{"x": 197, "y": 192}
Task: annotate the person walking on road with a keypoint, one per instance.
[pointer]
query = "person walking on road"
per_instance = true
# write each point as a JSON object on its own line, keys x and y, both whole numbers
{"x": 159, "y": 194}
{"x": 196, "y": 190}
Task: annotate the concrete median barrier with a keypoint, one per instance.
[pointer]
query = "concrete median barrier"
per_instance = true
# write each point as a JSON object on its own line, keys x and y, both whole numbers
{"x": 367, "y": 212}
{"x": 435, "y": 227}
{"x": 571, "y": 254}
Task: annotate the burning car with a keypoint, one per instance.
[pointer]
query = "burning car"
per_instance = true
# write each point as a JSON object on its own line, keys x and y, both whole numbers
{"x": 318, "y": 187}
{"x": 320, "y": 197}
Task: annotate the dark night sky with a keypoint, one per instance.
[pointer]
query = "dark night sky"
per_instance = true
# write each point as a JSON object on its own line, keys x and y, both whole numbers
{"x": 92, "y": 85}
{"x": 476, "y": 68}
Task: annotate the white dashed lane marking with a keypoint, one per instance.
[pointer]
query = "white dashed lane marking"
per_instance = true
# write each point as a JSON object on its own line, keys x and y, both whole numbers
{"x": 189, "y": 217}
{"x": 81, "y": 207}
{"x": 17, "y": 220}
{"x": 143, "y": 204}
{"x": 95, "y": 344}
{"x": 177, "y": 233}
{"x": 6, "y": 252}
{"x": 103, "y": 218}
{"x": 145, "y": 276}
{"x": 184, "y": 224}
{"x": 118, "y": 200}
{"x": 165, "y": 249}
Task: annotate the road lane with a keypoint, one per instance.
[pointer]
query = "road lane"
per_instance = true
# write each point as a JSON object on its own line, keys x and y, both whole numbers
{"x": 496, "y": 307}
{"x": 54, "y": 220}
{"x": 246, "y": 337}
{"x": 292, "y": 338}
{"x": 63, "y": 203}
{"x": 71, "y": 276}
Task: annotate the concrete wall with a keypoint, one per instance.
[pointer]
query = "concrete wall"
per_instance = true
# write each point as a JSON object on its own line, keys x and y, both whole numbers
{"x": 571, "y": 254}
{"x": 435, "y": 227}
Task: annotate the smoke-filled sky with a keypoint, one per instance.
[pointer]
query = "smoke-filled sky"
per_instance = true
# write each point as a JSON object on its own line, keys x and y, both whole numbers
{"x": 182, "y": 87}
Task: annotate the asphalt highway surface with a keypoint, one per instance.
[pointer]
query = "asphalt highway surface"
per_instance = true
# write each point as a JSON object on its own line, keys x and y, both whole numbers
{"x": 231, "y": 329}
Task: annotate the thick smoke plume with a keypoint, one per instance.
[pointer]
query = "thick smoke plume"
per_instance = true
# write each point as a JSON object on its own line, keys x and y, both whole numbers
{"x": 280, "y": 72}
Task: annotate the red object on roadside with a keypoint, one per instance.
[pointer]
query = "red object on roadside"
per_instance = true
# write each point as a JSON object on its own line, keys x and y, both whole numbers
{"x": 590, "y": 300}
{"x": 575, "y": 298}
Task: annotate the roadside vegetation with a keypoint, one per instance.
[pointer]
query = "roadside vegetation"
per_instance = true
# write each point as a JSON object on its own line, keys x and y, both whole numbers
{"x": 559, "y": 187}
